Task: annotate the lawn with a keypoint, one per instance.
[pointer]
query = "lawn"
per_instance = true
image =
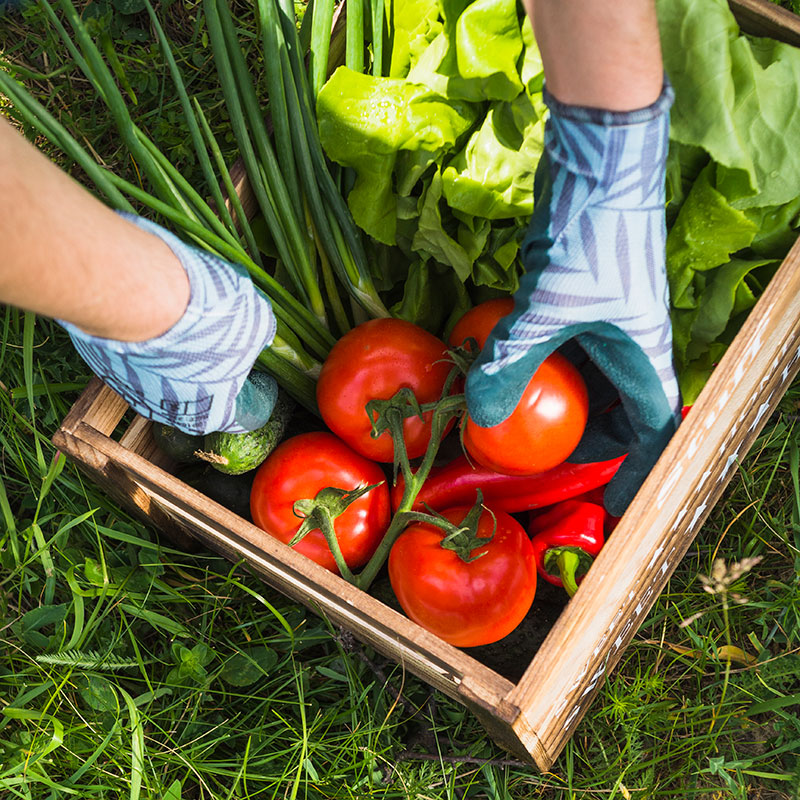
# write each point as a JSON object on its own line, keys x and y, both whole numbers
{"x": 129, "y": 668}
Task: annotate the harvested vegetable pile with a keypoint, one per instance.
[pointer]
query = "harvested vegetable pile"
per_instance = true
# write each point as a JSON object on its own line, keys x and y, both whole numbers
{"x": 424, "y": 196}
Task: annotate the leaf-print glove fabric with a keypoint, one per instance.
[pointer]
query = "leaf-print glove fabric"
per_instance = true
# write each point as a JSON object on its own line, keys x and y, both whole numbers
{"x": 194, "y": 376}
{"x": 595, "y": 275}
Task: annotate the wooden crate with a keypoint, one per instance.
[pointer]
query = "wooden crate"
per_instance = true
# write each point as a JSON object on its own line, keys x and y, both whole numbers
{"x": 535, "y": 716}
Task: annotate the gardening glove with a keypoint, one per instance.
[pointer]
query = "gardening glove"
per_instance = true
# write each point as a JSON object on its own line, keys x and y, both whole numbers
{"x": 595, "y": 276}
{"x": 195, "y": 376}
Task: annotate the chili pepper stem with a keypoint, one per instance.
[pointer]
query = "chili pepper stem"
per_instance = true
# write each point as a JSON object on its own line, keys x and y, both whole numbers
{"x": 568, "y": 562}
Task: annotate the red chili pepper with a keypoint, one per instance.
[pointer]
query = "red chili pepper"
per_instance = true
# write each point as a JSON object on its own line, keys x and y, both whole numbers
{"x": 596, "y": 496}
{"x": 456, "y": 484}
{"x": 566, "y": 540}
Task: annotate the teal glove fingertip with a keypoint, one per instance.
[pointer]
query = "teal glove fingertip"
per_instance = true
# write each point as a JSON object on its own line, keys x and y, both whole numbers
{"x": 255, "y": 401}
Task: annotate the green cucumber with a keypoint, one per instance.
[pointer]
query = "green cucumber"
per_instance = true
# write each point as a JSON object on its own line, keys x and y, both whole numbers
{"x": 235, "y": 453}
{"x": 179, "y": 446}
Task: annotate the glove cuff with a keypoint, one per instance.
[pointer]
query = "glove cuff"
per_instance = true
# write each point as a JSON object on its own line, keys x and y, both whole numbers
{"x": 190, "y": 375}
{"x": 611, "y": 119}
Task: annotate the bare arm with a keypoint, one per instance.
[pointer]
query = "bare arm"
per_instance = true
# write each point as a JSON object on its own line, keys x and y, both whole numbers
{"x": 598, "y": 53}
{"x": 65, "y": 255}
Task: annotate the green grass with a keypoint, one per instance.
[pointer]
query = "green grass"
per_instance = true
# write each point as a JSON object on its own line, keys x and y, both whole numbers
{"x": 131, "y": 669}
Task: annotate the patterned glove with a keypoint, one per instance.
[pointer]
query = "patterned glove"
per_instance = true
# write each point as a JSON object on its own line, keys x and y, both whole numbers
{"x": 595, "y": 275}
{"x": 193, "y": 377}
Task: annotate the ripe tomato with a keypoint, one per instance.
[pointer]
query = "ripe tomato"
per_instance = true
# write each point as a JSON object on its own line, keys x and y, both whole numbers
{"x": 297, "y": 469}
{"x": 465, "y": 603}
{"x": 543, "y": 429}
{"x": 374, "y": 361}
{"x": 479, "y": 321}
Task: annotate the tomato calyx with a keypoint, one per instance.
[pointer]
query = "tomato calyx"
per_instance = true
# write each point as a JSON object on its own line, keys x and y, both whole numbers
{"x": 319, "y": 513}
{"x": 465, "y": 354}
{"x": 463, "y": 539}
{"x": 389, "y": 415}
{"x": 569, "y": 563}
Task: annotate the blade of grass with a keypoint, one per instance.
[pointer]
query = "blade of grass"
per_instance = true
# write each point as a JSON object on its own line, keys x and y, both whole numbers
{"x": 137, "y": 746}
{"x": 43, "y": 552}
{"x": 9, "y": 523}
{"x": 29, "y": 326}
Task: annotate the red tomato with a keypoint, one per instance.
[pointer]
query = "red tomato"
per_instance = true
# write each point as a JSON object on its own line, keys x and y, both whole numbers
{"x": 374, "y": 361}
{"x": 297, "y": 469}
{"x": 543, "y": 429}
{"x": 479, "y": 321}
{"x": 465, "y": 603}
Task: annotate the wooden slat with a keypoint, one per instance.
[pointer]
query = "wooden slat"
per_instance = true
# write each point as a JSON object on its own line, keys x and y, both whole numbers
{"x": 138, "y": 438}
{"x": 635, "y": 564}
{"x": 98, "y": 406}
{"x": 762, "y": 18}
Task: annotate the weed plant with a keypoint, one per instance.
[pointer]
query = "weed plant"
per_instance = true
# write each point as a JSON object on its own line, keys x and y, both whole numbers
{"x": 132, "y": 669}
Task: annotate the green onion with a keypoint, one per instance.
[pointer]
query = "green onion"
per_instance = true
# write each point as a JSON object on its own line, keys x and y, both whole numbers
{"x": 230, "y": 189}
{"x": 322, "y": 23}
{"x": 378, "y": 14}
{"x": 194, "y": 129}
{"x": 354, "y": 47}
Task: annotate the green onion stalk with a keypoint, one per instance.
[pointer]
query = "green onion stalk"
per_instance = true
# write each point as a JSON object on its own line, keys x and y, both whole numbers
{"x": 337, "y": 231}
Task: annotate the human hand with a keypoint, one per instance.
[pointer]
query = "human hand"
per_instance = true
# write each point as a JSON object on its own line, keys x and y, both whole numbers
{"x": 195, "y": 375}
{"x": 595, "y": 275}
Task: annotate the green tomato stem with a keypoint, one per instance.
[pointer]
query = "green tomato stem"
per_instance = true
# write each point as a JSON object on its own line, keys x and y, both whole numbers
{"x": 447, "y": 407}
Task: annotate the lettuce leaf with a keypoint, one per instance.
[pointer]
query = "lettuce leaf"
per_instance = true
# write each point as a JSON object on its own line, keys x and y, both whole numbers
{"x": 705, "y": 234}
{"x": 735, "y": 97}
{"x": 475, "y": 56}
{"x": 413, "y": 24}
{"x": 492, "y": 177}
{"x": 364, "y": 123}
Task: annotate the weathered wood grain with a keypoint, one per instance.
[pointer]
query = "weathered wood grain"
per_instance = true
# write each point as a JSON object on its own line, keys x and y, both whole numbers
{"x": 762, "y": 18}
